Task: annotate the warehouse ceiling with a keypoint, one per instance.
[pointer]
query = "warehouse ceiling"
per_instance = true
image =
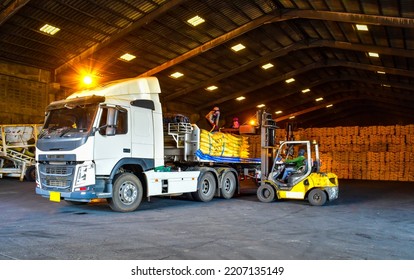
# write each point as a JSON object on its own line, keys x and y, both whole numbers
{"x": 352, "y": 61}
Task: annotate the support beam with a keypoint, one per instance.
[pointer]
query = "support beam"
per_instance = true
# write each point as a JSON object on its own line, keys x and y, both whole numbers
{"x": 122, "y": 33}
{"x": 11, "y": 9}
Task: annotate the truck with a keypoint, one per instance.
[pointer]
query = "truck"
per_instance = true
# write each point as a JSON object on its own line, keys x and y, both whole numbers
{"x": 112, "y": 143}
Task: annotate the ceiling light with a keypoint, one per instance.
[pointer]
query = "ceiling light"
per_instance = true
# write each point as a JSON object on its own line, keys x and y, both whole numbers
{"x": 127, "y": 57}
{"x": 328, "y": 106}
{"x": 87, "y": 80}
{"x": 238, "y": 47}
{"x": 211, "y": 88}
{"x": 261, "y": 105}
{"x": 267, "y": 66}
{"x": 49, "y": 29}
{"x": 385, "y": 85}
{"x": 305, "y": 90}
{"x": 292, "y": 117}
{"x": 240, "y": 98}
{"x": 177, "y": 75}
{"x": 319, "y": 99}
{"x": 194, "y": 21}
{"x": 278, "y": 112}
{"x": 362, "y": 27}
{"x": 288, "y": 81}
{"x": 373, "y": 54}
{"x": 381, "y": 72}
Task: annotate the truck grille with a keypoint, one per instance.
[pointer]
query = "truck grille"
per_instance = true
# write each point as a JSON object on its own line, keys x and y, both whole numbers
{"x": 56, "y": 177}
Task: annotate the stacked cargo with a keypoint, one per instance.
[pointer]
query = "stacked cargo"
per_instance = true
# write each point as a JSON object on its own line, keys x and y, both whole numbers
{"x": 369, "y": 153}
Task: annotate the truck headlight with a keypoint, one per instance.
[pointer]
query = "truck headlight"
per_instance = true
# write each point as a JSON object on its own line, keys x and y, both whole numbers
{"x": 84, "y": 171}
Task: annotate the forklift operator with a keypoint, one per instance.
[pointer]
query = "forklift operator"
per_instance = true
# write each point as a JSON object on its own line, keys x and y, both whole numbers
{"x": 297, "y": 163}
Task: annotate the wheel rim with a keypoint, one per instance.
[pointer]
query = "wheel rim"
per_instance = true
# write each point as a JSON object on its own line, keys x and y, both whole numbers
{"x": 228, "y": 186}
{"x": 266, "y": 193}
{"x": 128, "y": 193}
{"x": 206, "y": 186}
{"x": 316, "y": 197}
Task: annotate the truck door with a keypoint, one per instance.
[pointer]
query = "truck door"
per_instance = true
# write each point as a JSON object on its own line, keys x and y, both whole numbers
{"x": 112, "y": 143}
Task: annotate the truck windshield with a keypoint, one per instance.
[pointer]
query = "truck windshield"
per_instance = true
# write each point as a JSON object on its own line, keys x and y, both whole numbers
{"x": 77, "y": 118}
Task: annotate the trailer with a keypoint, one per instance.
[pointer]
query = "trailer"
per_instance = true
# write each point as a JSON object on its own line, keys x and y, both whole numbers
{"x": 17, "y": 146}
{"x": 113, "y": 143}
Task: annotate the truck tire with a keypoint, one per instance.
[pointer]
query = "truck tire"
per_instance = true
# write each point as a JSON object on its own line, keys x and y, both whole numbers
{"x": 229, "y": 184}
{"x": 126, "y": 193}
{"x": 317, "y": 197}
{"x": 30, "y": 173}
{"x": 206, "y": 187}
{"x": 266, "y": 193}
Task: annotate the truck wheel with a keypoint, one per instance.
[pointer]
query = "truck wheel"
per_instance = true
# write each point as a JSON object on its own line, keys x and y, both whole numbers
{"x": 266, "y": 193}
{"x": 228, "y": 187}
{"x": 317, "y": 197}
{"x": 30, "y": 173}
{"x": 206, "y": 188}
{"x": 126, "y": 193}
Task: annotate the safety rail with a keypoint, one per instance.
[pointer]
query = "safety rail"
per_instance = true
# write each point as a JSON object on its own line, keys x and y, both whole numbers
{"x": 178, "y": 132}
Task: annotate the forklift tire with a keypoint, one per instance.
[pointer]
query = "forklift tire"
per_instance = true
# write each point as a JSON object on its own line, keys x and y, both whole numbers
{"x": 266, "y": 193}
{"x": 126, "y": 193}
{"x": 206, "y": 188}
{"x": 30, "y": 173}
{"x": 317, "y": 197}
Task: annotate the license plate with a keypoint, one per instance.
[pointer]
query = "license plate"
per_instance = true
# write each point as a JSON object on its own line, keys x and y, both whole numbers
{"x": 54, "y": 196}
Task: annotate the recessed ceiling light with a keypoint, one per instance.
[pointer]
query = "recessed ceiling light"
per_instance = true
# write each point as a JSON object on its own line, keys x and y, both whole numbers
{"x": 240, "y": 98}
{"x": 238, "y": 47}
{"x": 177, "y": 75}
{"x": 127, "y": 57}
{"x": 373, "y": 54}
{"x": 211, "y": 88}
{"x": 319, "y": 99}
{"x": 261, "y": 105}
{"x": 291, "y": 80}
{"x": 267, "y": 66}
{"x": 361, "y": 27}
{"x": 381, "y": 72}
{"x": 305, "y": 90}
{"x": 278, "y": 112}
{"x": 328, "y": 106}
{"x": 194, "y": 21}
{"x": 49, "y": 29}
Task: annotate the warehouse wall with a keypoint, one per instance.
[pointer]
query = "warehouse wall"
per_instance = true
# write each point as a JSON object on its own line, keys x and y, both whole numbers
{"x": 368, "y": 153}
{"x": 23, "y": 94}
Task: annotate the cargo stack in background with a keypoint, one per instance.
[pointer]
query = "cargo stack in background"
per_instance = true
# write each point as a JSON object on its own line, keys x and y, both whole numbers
{"x": 368, "y": 153}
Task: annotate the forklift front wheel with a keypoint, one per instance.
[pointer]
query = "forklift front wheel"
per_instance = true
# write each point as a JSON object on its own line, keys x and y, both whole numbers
{"x": 266, "y": 193}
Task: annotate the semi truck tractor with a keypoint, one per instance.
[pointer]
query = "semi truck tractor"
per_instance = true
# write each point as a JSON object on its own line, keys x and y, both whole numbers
{"x": 112, "y": 143}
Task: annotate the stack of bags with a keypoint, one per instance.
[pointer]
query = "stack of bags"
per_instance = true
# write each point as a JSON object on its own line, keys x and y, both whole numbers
{"x": 223, "y": 144}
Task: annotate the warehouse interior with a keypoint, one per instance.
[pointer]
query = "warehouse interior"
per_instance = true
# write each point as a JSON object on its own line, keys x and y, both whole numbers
{"x": 339, "y": 72}
{"x": 315, "y": 65}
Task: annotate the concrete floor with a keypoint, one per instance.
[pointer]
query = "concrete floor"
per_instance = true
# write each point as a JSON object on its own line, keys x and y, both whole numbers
{"x": 371, "y": 220}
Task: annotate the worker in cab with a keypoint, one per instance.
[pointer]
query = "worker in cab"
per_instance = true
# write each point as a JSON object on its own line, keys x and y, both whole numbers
{"x": 292, "y": 165}
{"x": 213, "y": 118}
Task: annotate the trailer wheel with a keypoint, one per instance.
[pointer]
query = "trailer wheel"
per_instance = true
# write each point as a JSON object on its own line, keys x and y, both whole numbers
{"x": 317, "y": 197}
{"x": 30, "y": 173}
{"x": 206, "y": 188}
{"x": 266, "y": 193}
{"x": 126, "y": 193}
{"x": 228, "y": 187}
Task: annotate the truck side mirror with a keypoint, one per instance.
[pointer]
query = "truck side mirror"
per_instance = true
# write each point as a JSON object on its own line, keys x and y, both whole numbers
{"x": 111, "y": 120}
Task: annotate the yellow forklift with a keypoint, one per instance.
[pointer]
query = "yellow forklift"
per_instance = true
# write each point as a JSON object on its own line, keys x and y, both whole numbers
{"x": 289, "y": 180}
